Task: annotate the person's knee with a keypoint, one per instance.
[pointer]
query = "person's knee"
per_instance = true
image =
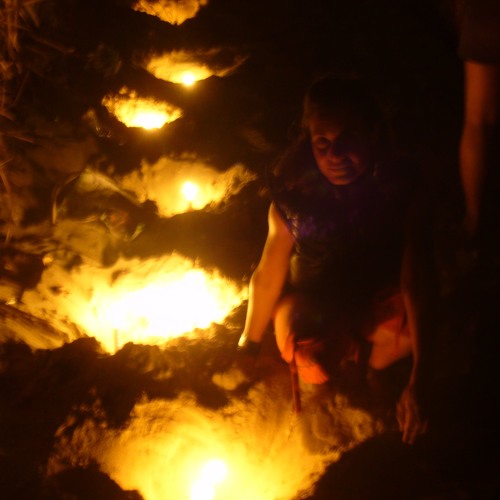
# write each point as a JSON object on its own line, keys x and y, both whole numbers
{"x": 292, "y": 315}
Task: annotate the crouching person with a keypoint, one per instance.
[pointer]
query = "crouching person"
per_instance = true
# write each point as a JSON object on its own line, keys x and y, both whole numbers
{"x": 330, "y": 273}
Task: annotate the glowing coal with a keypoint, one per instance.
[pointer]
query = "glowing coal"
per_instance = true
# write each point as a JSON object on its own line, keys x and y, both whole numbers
{"x": 184, "y": 67}
{"x": 170, "y": 11}
{"x": 140, "y": 301}
{"x": 180, "y": 185}
{"x": 142, "y": 112}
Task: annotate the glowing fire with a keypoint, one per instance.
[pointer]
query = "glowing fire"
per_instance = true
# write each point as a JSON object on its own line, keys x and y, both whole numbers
{"x": 178, "y": 67}
{"x": 144, "y": 302}
{"x": 179, "y": 185}
{"x": 212, "y": 474}
{"x": 250, "y": 449}
{"x": 136, "y": 111}
{"x": 188, "y": 78}
{"x": 176, "y": 300}
{"x": 190, "y": 190}
{"x": 170, "y": 11}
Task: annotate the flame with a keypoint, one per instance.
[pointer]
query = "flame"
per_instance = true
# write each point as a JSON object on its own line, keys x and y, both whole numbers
{"x": 190, "y": 190}
{"x": 188, "y": 78}
{"x": 184, "y": 67}
{"x": 167, "y": 448}
{"x": 140, "y": 301}
{"x": 170, "y": 11}
{"x": 136, "y": 111}
{"x": 179, "y": 185}
{"x": 212, "y": 474}
{"x": 175, "y": 69}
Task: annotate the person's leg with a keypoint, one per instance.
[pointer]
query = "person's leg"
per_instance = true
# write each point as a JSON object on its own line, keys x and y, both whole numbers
{"x": 388, "y": 334}
{"x": 314, "y": 333}
{"x": 298, "y": 326}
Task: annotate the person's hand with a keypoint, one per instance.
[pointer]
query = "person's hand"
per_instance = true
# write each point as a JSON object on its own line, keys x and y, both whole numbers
{"x": 409, "y": 413}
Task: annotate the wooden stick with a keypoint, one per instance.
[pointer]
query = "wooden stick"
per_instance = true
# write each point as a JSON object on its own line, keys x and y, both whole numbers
{"x": 294, "y": 375}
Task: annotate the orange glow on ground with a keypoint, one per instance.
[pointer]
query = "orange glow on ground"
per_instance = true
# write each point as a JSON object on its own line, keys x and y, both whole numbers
{"x": 136, "y": 111}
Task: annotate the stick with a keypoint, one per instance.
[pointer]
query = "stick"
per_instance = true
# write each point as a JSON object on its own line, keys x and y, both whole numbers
{"x": 294, "y": 375}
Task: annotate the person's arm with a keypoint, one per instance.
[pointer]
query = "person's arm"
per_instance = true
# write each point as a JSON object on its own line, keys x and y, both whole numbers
{"x": 419, "y": 288}
{"x": 267, "y": 280}
{"x": 481, "y": 120}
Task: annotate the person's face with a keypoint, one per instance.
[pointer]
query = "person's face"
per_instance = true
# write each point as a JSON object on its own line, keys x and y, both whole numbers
{"x": 341, "y": 149}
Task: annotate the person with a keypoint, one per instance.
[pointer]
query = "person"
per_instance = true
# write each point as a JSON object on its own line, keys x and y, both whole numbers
{"x": 334, "y": 275}
{"x": 479, "y": 154}
{"x": 479, "y": 159}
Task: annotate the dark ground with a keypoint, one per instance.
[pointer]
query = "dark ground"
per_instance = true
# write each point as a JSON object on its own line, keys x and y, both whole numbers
{"x": 406, "y": 50}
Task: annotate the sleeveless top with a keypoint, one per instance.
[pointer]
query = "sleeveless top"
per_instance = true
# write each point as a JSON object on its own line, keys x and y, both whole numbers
{"x": 348, "y": 239}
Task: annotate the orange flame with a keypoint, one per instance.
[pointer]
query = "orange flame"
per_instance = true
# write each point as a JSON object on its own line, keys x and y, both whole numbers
{"x": 251, "y": 449}
{"x": 184, "y": 67}
{"x": 144, "y": 302}
{"x": 212, "y": 474}
{"x": 170, "y": 11}
{"x": 136, "y": 111}
{"x": 179, "y": 185}
{"x": 176, "y": 70}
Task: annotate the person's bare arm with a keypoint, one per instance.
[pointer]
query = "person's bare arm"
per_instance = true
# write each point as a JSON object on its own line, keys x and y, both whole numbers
{"x": 268, "y": 278}
{"x": 481, "y": 120}
{"x": 419, "y": 288}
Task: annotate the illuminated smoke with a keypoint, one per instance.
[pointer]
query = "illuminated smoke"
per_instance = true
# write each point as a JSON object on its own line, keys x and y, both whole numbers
{"x": 179, "y": 185}
{"x": 185, "y": 67}
{"x": 255, "y": 445}
{"x": 145, "y": 302}
{"x": 170, "y": 11}
{"x": 136, "y": 111}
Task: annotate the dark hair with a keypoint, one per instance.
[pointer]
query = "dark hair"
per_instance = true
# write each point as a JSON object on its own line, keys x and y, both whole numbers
{"x": 346, "y": 99}
{"x": 341, "y": 98}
